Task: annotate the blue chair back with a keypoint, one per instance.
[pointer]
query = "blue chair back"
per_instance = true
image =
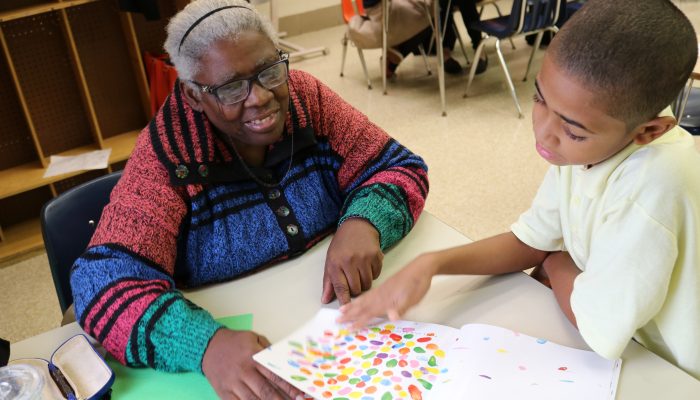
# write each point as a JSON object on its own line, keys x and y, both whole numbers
{"x": 530, "y": 15}
{"x": 67, "y": 225}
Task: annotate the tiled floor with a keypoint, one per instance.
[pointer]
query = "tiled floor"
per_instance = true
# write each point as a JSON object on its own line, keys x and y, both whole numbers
{"x": 483, "y": 167}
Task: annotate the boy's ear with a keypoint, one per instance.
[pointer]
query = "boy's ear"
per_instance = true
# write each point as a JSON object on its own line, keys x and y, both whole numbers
{"x": 650, "y": 130}
{"x": 191, "y": 96}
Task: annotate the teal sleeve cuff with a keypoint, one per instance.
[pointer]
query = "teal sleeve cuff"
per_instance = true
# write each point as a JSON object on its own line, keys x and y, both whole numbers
{"x": 385, "y": 207}
{"x": 172, "y": 335}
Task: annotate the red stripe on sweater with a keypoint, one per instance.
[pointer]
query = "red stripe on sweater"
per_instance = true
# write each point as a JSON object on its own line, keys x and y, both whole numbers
{"x": 133, "y": 288}
{"x": 118, "y": 337}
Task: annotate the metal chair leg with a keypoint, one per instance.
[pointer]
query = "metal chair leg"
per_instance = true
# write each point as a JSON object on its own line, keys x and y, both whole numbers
{"x": 681, "y": 107}
{"x": 345, "y": 51}
{"x": 425, "y": 59}
{"x": 364, "y": 67}
{"x": 461, "y": 43}
{"x": 431, "y": 24}
{"x": 472, "y": 70}
{"x": 508, "y": 78}
{"x": 538, "y": 41}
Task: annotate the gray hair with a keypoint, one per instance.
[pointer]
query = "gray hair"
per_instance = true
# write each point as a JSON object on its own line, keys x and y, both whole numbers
{"x": 227, "y": 23}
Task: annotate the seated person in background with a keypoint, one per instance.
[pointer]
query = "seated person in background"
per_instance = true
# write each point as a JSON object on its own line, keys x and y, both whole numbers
{"x": 616, "y": 222}
{"x": 245, "y": 165}
{"x": 467, "y": 8}
{"x": 408, "y": 29}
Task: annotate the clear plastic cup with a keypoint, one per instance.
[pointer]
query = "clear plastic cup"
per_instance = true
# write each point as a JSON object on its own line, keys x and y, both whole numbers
{"x": 20, "y": 382}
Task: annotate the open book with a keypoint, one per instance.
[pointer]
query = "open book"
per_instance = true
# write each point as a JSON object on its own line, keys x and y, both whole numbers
{"x": 413, "y": 360}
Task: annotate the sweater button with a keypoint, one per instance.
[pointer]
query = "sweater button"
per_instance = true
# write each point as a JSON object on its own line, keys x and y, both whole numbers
{"x": 203, "y": 171}
{"x": 283, "y": 211}
{"x": 273, "y": 194}
{"x": 292, "y": 230}
{"x": 181, "y": 171}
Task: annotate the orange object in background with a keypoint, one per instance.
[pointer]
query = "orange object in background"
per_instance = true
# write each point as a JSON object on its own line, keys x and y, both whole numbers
{"x": 161, "y": 77}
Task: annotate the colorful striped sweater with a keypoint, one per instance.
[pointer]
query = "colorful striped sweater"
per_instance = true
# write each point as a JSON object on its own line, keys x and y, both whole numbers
{"x": 186, "y": 212}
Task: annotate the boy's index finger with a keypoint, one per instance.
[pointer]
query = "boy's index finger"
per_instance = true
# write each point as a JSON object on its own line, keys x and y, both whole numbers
{"x": 357, "y": 313}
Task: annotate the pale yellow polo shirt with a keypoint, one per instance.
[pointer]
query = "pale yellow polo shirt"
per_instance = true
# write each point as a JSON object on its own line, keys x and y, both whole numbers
{"x": 632, "y": 225}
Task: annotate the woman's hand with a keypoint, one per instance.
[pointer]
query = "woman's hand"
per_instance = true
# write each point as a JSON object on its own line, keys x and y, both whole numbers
{"x": 393, "y": 297}
{"x": 353, "y": 261}
{"x": 229, "y": 366}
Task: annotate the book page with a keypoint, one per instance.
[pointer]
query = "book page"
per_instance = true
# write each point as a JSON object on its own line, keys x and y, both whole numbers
{"x": 498, "y": 363}
{"x": 388, "y": 360}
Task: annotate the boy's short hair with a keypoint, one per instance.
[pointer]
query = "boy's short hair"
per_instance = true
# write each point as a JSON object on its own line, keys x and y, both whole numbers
{"x": 637, "y": 55}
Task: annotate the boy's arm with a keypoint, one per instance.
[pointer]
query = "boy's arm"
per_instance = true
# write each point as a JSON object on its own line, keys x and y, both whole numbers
{"x": 496, "y": 255}
{"x": 562, "y": 271}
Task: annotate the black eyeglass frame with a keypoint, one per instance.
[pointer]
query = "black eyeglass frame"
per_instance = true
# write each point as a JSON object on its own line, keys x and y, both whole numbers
{"x": 213, "y": 89}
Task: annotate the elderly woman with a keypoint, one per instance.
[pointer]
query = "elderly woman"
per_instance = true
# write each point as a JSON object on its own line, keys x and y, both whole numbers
{"x": 245, "y": 165}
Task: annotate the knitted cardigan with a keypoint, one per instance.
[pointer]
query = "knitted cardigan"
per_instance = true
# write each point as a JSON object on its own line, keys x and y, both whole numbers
{"x": 186, "y": 211}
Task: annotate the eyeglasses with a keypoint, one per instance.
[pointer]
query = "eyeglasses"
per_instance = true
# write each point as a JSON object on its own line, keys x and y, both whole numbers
{"x": 238, "y": 89}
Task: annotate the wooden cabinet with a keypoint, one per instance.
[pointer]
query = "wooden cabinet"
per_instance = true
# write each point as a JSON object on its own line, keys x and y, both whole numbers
{"x": 71, "y": 80}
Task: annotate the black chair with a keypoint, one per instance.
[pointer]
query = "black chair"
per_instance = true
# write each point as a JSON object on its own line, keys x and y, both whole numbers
{"x": 527, "y": 17}
{"x": 67, "y": 225}
{"x": 690, "y": 118}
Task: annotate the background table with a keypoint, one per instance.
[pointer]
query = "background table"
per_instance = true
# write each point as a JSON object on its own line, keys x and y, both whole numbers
{"x": 283, "y": 297}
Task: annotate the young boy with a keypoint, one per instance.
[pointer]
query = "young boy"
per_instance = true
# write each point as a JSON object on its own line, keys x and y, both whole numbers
{"x": 616, "y": 222}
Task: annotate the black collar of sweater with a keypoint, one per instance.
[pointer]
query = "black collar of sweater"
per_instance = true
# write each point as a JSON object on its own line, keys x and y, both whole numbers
{"x": 192, "y": 151}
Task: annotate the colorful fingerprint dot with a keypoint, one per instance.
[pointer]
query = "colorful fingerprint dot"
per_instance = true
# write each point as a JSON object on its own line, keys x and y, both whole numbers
{"x": 415, "y": 392}
{"x": 425, "y": 384}
{"x": 384, "y": 361}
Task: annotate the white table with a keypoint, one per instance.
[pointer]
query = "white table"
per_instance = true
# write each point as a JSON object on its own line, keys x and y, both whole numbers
{"x": 284, "y": 296}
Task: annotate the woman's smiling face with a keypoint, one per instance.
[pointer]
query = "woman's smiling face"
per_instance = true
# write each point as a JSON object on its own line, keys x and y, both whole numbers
{"x": 258, "y": 120}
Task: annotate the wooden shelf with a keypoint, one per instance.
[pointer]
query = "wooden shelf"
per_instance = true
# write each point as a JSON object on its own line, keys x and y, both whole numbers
{"x": 20, "y": 239}
{"x": 30, "y": 176}
{"x": 54, "y": 57}
{"x": 24, "y": 237}
{"x": 40, "y": 9}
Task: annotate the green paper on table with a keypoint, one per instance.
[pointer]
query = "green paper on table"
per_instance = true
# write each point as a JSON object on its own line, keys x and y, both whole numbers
{"x": 147, "y": 383}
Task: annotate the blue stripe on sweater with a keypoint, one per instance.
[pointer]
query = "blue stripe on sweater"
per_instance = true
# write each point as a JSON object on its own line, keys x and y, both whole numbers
{"x": 210, "y": 247}
{"x": 392, "y": 155}
{"x": 102, "y": 266}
